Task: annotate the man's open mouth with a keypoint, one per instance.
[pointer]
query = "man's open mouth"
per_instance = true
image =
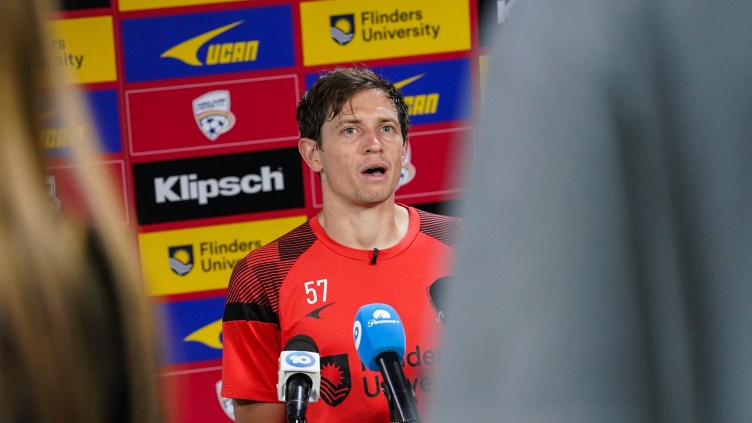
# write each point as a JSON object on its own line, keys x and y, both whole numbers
{"x": 375, "y": 171}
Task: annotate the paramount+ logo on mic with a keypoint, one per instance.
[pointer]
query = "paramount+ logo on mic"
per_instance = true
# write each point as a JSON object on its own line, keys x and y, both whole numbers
{"x": 216, "y": 186}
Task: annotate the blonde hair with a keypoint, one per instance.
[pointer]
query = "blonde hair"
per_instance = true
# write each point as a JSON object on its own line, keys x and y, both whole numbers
{"x": 77, "y": 341}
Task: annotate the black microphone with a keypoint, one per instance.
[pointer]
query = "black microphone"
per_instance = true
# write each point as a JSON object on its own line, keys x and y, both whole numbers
{"x": 380, "y": 340}
{"x": 299, "y": 377}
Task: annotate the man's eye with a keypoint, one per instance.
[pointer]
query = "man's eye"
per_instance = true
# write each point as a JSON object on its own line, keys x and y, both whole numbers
{"x": 388, "y": 129}
{"x": 349, "y": 131}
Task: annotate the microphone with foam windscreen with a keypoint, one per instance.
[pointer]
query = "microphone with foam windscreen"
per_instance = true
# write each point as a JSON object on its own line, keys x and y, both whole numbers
{"x": 380, "y": 340}
{"x": 299, "y": 376}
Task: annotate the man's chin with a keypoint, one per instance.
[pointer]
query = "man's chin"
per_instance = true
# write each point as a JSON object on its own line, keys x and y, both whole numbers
{"x": 375, "y": 199}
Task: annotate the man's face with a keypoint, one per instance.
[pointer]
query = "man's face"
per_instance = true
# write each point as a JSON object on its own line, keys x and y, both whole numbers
{"x": 362, "y": 151}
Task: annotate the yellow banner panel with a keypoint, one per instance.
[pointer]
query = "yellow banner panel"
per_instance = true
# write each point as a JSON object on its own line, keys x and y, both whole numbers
{"x": 127, "y": 5}
{"x": 201, "y": 259}
{"x": 346, "y": 31}
{"x": 84, "y": 48}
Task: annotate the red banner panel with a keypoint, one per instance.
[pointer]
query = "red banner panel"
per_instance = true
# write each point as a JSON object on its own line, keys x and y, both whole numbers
{"x": 65, "y": 193}
{"x": 194, "y": 395}
{"x": 432, "y": 163}
{"x": 211, "y": 115}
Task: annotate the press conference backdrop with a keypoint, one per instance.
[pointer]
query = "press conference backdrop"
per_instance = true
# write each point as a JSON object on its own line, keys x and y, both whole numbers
{"x": 194, "y": 101}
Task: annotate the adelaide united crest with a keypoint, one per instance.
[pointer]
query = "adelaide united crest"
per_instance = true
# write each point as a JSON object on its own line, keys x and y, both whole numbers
{"x": 335, "y": 379}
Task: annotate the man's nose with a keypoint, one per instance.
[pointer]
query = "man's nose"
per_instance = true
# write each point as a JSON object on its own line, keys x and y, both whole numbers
{"x": 373, "y": 142}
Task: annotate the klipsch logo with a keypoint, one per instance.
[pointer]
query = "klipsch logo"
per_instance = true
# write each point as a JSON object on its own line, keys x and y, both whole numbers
{"x": 212, "y": 113}
{"x": 335, "y": 379}
{"x": 177, "y": 188}
{"x": 213, "y": 186}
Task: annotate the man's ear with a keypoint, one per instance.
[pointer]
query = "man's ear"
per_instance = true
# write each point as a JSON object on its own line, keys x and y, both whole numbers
{"x": 310, "y": 154}
{"x": 405, "y": 147}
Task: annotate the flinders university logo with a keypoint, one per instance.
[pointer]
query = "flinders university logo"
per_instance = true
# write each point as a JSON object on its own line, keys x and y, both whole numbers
{"x": 181, "y": 259}
{"x": 342, "y": 28}
{"x": 212, "y": 113}
{"x": 335, "y": 379}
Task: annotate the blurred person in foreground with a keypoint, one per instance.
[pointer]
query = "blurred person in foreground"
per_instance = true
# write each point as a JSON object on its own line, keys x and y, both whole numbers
{"x": 606, "y": 273}
{"x": 361, "y": 248}
{"x": 76, "y": 340}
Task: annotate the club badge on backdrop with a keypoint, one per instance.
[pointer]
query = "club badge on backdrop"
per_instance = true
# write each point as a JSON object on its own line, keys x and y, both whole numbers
{"x": 212, "y": 113}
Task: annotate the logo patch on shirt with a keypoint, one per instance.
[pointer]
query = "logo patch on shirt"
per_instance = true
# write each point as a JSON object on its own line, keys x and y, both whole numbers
{"x": 335, "y": 379}
{"x": 315, "y": 313}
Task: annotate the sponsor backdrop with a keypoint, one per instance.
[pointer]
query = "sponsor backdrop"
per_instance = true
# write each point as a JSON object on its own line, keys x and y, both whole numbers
{"x": 194, "y": 101}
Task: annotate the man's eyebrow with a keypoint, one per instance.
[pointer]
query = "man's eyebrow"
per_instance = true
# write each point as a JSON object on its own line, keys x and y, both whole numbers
{"x": 351, "y": 119}
{"x": 347, "y": 120}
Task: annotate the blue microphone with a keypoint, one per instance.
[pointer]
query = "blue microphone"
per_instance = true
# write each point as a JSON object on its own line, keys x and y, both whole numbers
{"x": 380, "y": 340}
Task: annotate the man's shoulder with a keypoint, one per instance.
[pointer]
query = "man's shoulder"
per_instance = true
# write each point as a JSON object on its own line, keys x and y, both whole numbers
{"x": 438, "y": 218}
{"x": 287, "y": 247}
{"x": 441, "y": 227}
{"x": 263, "y": 269}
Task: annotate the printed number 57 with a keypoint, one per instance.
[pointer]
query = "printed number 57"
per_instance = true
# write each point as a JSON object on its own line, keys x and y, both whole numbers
{"x": 312, "y": 292}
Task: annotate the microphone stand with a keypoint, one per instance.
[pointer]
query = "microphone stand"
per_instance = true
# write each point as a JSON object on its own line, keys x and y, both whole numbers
{"x": 399, "y": 394}
{"x": 297, "y": 406}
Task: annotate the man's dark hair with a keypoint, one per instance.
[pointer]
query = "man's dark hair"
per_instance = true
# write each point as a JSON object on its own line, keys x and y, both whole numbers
{"x": 327, "y": 96}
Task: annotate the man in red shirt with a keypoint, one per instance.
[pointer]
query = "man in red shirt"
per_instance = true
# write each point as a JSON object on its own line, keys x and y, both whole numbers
{"x": 361, "y": 248}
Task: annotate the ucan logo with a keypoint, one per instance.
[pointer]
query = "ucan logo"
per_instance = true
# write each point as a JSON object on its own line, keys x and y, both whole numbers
{"x": 300, "y": 359}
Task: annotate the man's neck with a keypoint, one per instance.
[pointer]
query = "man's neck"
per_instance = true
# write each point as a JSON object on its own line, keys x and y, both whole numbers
{"x": 381, "y": 226}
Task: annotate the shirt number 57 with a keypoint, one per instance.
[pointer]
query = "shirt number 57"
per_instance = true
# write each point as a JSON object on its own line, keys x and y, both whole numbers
{"x": 312, "y": 291}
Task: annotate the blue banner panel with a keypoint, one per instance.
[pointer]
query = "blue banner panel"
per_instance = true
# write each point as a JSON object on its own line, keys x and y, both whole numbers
{"x": 208, "y": 43}
{"x": 434, "y": 91}
{"x": 57, "y": 135}
{"x": 104, "y": 111}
